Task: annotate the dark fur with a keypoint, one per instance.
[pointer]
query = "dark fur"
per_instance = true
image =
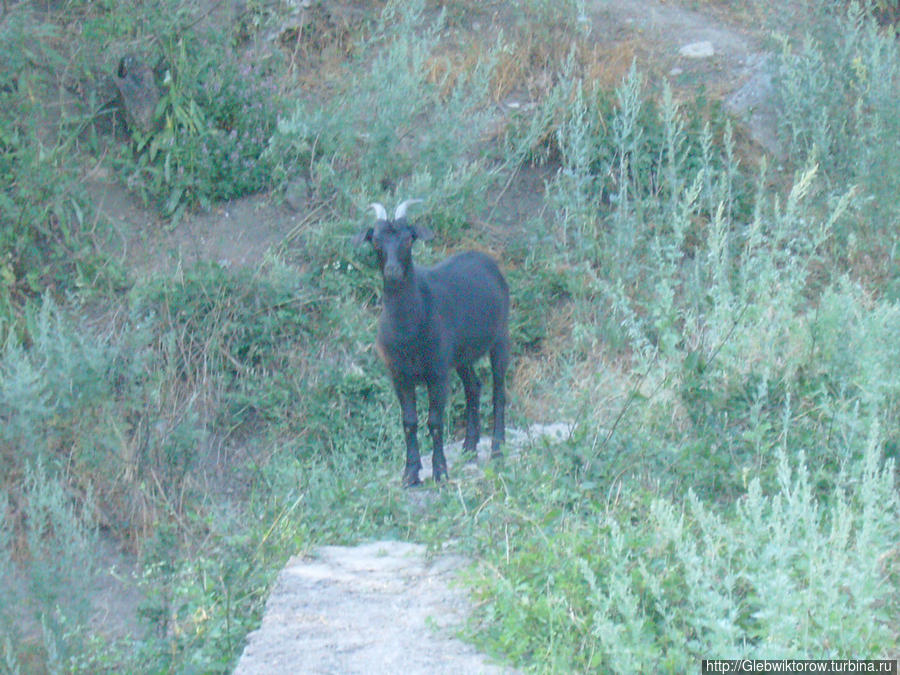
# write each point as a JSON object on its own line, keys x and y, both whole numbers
{"x": 434, "y": 320}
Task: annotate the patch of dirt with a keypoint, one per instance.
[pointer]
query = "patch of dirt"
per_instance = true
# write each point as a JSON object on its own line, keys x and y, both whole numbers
{"x": 239, "y": 232}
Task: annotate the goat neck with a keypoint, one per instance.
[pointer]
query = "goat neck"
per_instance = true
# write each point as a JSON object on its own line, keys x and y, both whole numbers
{"x": 403, "y": 304}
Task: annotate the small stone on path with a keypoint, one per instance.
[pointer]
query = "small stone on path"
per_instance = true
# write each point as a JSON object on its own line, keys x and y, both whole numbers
{"x": 698, "y": 50}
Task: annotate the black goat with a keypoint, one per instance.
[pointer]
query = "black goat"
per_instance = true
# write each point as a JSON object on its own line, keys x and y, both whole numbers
{"x": 434, "y": 319}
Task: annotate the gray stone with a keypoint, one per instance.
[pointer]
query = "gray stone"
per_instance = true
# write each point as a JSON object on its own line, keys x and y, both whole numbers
{"x": 698, "y": 50}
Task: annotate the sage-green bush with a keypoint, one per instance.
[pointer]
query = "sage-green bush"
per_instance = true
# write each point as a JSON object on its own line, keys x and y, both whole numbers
{"x": 657, "y": 584}
{"x": 51, "y": 591}
{"x": 837, "y": 93}
{"x": 396, "y": 124}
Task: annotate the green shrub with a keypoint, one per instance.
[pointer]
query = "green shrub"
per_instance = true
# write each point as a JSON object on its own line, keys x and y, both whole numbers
{"x": 58, "y": 569}
{"x": 48, "y": 236}
{"x": 392, "y": 126}
{"x": 213, "y": 127}
{"x": 703, "y": 286}
{"x": 837, "y": 95}
{"x": 50, "y": 384}
{"x": 855, "y": 335}
{"x": 657, "y": 585}
{"x": 628, "y": 163}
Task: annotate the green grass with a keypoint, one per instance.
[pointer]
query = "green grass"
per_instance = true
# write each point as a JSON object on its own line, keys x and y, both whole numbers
{"x": 722, "y": 335}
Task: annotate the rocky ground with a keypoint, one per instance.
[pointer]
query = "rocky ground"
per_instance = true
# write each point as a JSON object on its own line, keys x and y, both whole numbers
{"x": 380, "y": 607}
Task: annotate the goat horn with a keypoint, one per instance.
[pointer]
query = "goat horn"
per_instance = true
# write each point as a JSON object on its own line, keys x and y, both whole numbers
{"x": 401, "y": 208}
{"x": 380, "y": 212}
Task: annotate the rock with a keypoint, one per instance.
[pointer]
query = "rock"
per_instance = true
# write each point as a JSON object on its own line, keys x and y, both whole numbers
{"x": 136, "y": 85}
{"x": 698, "y": 50}
{"x": 377, "y": 608}
{"x": 296, "y": 194}
{"x": 126, "y": 97}
{"x": 754, "y": 103}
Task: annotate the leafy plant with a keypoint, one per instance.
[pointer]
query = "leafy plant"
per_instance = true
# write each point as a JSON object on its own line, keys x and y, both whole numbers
{"x": 47, "y": 231}
{"x": 214, "y": 123}
{"x": 837, "y": 93}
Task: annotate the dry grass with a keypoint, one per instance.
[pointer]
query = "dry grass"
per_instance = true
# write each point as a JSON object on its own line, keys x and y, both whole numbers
{"x": 318, "y": 40}
{"x": 532, "y": 52}
{"x": 532, "y": 64}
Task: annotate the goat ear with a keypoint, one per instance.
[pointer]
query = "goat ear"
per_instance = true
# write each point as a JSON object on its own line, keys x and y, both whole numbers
{"x": 423, "y": 232}
{"x": 365, "y": 235}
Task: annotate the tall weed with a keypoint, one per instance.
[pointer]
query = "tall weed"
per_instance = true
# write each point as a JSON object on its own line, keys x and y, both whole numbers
{"x": 654, "y": 584}
{"x": 837, "y": 90}
{"x": 392, "y": 126}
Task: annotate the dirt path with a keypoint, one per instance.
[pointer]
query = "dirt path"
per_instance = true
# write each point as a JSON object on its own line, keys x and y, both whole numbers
{"x": 380, "y": 607}
{"x": 376, "y": 608}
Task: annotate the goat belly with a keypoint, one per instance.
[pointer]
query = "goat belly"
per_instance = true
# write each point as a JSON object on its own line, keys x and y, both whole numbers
{"x": 402, "y": 360}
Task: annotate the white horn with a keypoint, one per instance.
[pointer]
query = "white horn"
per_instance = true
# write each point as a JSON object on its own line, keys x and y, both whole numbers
{"x": 401, "y": 208}
{"x": 380, "y": 212}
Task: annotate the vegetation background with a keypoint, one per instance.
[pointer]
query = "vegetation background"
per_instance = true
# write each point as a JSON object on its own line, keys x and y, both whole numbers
{"x": 719, "y": 325}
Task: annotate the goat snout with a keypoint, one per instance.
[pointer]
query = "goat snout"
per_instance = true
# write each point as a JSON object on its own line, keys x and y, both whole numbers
{"x": 393, "y": 271}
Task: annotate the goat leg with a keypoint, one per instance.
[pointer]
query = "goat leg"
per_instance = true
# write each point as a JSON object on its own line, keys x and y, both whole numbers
{"x": 437, "y": 400}
{"x": 438, "y": 461}
{"x": 407, "y": 396}
{"x": 499, "y": 361}
{"x": 472, "y": 387}
{"x": 413, "y": 462}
